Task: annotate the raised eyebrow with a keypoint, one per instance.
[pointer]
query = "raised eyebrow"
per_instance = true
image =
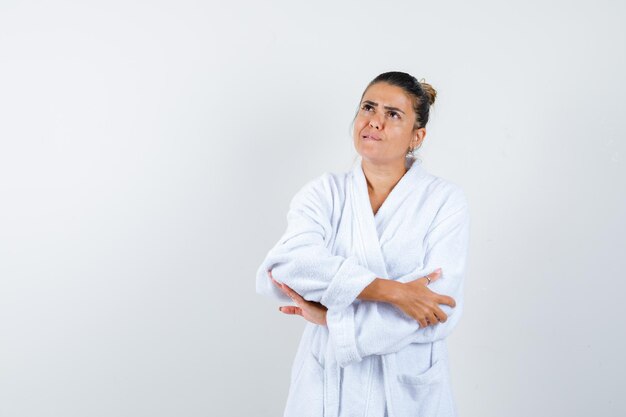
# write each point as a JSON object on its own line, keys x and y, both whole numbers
{"x": 373, "y": 103}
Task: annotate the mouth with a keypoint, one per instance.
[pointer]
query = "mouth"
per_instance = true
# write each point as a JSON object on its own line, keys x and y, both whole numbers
{"x": 370, "y": 137}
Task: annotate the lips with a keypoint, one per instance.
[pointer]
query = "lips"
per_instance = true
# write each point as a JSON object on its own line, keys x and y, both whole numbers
{"x": 370, "y": 137}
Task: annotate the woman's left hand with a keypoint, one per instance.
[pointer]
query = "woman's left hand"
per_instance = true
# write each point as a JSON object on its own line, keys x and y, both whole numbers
{"x": 310, "y": 310}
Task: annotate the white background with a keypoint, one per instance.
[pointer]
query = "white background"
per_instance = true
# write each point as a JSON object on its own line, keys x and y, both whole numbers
{"x": 149, "y": 149}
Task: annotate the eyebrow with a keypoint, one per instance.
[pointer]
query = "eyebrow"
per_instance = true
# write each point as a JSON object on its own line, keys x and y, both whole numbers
{"x": 373, "y": 103}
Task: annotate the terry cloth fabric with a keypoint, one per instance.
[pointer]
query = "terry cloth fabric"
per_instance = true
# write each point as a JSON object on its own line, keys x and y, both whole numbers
{"x": 371, "y": 358}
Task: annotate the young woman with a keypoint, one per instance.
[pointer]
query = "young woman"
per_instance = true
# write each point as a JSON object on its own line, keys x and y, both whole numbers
{"x": 374, "y": 259}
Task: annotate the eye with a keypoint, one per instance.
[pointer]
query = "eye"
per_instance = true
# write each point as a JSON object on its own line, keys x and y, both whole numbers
{"x": 394, "y": 114}
{"x": 367, "y": 107}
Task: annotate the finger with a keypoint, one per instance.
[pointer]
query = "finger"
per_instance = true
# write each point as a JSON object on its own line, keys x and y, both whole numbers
{"x": 288, "y": 293}
{"x": 284, "y": 290}
{"x": 291, "y": 310}
{"x": 272, "y": 277}
{"x": 422, "y": 321}
{"x": 440, "y": 316}
{"x": 279, "y": 285}
{"x": 434, "y": 276}
{"x": 294, "y": 295}
{"x": 432, "y": 320}
{"x": 276, "y": 282}
{"x": 444, "y": 299}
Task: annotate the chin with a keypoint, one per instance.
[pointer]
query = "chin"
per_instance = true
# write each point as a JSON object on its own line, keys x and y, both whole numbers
{"x": 370, "y": 155}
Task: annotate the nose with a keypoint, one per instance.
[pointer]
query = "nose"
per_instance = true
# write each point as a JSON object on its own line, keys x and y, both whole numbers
{"x": 374, "y": 122}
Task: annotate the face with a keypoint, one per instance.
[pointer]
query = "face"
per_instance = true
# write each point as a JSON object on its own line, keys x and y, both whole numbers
{"x": 383, "y": 127}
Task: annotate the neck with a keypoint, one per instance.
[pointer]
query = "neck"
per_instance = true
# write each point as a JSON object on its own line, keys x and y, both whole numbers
{"x": 381, "y": 178}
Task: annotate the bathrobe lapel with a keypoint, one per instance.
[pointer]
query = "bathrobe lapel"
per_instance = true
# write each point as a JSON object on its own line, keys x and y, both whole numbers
{"x": 368, "y": 230}
{"x": 368, "y": 249}
{"x": 372, "y": 227}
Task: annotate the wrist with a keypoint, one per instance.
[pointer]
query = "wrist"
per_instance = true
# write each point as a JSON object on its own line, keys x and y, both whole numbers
{"x": 381, "y": 289}
{"x": 393, "y": 291}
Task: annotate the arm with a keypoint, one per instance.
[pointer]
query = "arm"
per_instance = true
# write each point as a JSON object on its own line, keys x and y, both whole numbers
{"x": 302, "y": 260}
{"x": 367, "y": 328}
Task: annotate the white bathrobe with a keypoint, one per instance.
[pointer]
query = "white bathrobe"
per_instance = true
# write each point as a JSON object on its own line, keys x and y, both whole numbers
{"x": 371, "y": 359}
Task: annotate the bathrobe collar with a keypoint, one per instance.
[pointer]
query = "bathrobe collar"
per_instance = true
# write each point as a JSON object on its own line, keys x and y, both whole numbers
{"x": 372, "y": 227}
{"x": 398, "y": 193}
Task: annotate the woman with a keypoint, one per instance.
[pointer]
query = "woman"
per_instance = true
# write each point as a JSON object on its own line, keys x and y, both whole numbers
{"x": 374, "y": 260}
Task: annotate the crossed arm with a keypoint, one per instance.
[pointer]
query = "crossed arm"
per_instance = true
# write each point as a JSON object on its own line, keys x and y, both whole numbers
{"x": 301, "y": 261}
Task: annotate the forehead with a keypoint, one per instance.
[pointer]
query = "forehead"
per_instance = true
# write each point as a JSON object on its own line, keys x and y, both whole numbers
{"x": 388, "y": 95}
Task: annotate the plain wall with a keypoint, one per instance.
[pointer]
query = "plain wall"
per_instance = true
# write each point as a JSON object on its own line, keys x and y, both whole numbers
{"x": 149, "y": 150}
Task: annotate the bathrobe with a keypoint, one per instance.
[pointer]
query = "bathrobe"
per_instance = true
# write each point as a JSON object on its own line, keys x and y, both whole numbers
{"x": 371, "y": 359}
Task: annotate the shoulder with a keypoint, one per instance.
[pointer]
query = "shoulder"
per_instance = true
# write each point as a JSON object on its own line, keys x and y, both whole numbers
{"x": 446, "y": 197}
{"x": 320, "y": 192}
{"x": 326, "y": 185}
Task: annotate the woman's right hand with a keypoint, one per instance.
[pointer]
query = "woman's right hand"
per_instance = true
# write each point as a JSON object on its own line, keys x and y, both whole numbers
{"x": 417, "y": 301}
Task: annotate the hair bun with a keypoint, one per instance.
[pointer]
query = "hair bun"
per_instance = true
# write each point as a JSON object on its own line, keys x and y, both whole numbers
{"x": 429, "y": 90}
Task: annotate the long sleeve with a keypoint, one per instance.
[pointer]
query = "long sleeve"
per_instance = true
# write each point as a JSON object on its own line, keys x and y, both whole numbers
{"x": 367, "y": 328}
{"x": 302, "y": 260}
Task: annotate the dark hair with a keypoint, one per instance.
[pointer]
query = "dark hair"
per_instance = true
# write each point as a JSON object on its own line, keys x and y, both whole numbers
{"x": 422, "y": 94}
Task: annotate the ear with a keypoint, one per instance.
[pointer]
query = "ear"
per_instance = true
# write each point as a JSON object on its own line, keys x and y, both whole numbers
{"x": 418, "y": 137}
